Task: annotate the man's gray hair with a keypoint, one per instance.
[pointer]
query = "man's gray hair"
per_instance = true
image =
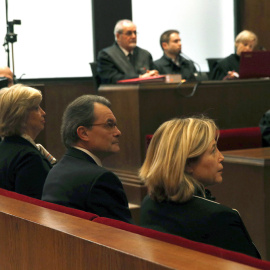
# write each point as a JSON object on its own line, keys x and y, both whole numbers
{"x": 80, "y": 112}
{"x": 119, "y": 26}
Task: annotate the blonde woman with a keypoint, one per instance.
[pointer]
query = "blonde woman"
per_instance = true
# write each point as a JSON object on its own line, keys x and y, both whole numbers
{"x": 228, "y": 67}
{"x": 181, "y": 161}
{"x": 23, "y": 168}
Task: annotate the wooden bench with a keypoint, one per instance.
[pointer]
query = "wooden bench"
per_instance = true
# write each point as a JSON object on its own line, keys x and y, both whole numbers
{"x": 19, "y": 203}
{"x": 37, "y": 238}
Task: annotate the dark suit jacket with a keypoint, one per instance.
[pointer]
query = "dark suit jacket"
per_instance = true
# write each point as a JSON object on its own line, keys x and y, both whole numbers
{"x": 77, "y": 181}
{"x": 199, "y": 220}
{"x": 113, "y": 65}
{"x": 166, "y": 66}
{"x": 22, "y": 168}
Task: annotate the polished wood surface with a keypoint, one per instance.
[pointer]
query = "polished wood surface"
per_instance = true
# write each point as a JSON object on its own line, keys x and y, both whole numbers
{"x": 36, "y": 238}
{"x": 256, "y": 156}
{"x": 140, "y": 109}
{"x": 255, "y": 17}
{"x": 246, "y": 187}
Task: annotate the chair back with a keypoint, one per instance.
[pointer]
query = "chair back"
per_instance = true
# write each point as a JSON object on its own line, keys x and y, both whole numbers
{"x": 212, "y": 63}
{"x": 96, "y": 79}
{"x": 239, "y": 138}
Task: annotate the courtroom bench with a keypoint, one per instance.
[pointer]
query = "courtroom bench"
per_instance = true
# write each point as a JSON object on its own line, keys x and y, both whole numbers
{"x": 132, "y": 229}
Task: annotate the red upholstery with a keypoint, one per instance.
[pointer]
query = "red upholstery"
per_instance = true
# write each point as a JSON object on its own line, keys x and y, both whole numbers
{"x": 52, "y": 206}
{"x": 183, "y": 242}
{"x": 148, "y": 140}
{"x": 232, "y": 139}
{"x": 239, "y": 138}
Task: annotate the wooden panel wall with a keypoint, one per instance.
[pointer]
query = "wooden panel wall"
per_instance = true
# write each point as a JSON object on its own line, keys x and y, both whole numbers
{"x": 255, "y": 17}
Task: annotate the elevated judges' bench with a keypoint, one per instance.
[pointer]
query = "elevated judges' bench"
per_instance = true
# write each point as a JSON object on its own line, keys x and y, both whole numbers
{"x": 37, "y": 238}
{"x": 140, "y": 109}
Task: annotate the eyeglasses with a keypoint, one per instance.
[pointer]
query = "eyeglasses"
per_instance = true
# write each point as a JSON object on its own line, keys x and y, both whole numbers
{"x": 129, "y": 33}
{"x": 108, "y": 125}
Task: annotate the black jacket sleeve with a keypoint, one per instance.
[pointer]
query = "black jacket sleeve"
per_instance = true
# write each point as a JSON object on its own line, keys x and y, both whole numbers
{"x": 109, "y": 199}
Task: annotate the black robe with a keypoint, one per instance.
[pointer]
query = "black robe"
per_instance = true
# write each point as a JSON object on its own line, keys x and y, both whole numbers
{"x": 230, "y": 63}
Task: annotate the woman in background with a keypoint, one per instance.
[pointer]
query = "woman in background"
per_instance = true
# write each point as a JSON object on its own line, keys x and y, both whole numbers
{"x": 228, "y": 67}
{"x": 181, "y": 161}
{"x": 23, "y": 168}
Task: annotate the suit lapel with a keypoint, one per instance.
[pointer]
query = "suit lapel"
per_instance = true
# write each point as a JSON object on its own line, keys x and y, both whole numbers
{"x": 121, "y": 60}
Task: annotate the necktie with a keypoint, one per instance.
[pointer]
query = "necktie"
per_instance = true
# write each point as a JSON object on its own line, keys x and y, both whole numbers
{"x": 130, "y": 58}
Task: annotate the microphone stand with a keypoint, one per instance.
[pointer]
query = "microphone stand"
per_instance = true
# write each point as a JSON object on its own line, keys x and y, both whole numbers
{"x": 10, "y": 37}
{"x": 196, "y": 64}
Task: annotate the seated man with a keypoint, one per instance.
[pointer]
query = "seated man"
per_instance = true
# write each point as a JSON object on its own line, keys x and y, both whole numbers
{"x": 7, "y": 73}
{"x": 124, "y": 59}
{"x": 78, "y": 180}
{"x": 172, "y": 62}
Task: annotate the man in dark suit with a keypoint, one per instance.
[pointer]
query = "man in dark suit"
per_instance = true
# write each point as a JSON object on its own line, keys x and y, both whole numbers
{"x": 172, "y": 62}
{"x": 90, "y": 134}
{"x": 124, "y": 59}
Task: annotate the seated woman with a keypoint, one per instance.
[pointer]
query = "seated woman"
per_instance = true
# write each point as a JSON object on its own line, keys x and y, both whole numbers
{"x": 182, "y": 159}
{"x": 23, "y": 168}
{"x": 228, "y": 67}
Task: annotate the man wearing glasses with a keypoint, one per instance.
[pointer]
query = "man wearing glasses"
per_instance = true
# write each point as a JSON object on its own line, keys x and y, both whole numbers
{"x": 78, "y": 180}
{"x": 124, "y": 59}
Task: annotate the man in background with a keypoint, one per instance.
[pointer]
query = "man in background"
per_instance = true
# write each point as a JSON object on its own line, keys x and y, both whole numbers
{"x": 78, "y": 180}
{"x": 5, "y": 72}
{"x": 172, "y": 62}
{"x": 124, "y": 59}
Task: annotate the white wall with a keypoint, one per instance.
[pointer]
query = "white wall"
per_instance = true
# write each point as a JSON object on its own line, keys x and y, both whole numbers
{"x": 206, "y": 26}
{"x": 55, "y": 36}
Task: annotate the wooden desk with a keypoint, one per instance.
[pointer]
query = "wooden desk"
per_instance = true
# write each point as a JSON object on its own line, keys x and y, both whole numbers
{"x": 36, "y": 238}
{"x": 246, "y": 187}
{"x": 141, "y": 109}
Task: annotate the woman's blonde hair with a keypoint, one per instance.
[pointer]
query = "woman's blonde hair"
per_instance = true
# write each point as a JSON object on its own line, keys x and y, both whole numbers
{"x": 16, "y": 103}
{"x": 173, "y": 145}
{"x": 245, "y": 36}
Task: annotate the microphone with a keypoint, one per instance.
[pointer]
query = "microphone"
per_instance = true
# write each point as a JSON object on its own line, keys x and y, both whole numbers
{"x": 195, "y": 64}
{"x": 189, "y": 59}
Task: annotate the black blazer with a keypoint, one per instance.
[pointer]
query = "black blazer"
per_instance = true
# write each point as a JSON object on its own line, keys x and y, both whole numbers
{"x": 166, "y": 66}
{"x": 77, "y": 181}
{"x": 113, "y": 65}
{"x": 199, "y": 220}
{"x": 22, "y": 167}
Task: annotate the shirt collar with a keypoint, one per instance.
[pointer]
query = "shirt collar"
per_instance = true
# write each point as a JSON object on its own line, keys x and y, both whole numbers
{"x": 125, "y": 51}
{"x": 176, "y": 60}
{"x": 95, "y": 158}
{"x": 28, "y": 138}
